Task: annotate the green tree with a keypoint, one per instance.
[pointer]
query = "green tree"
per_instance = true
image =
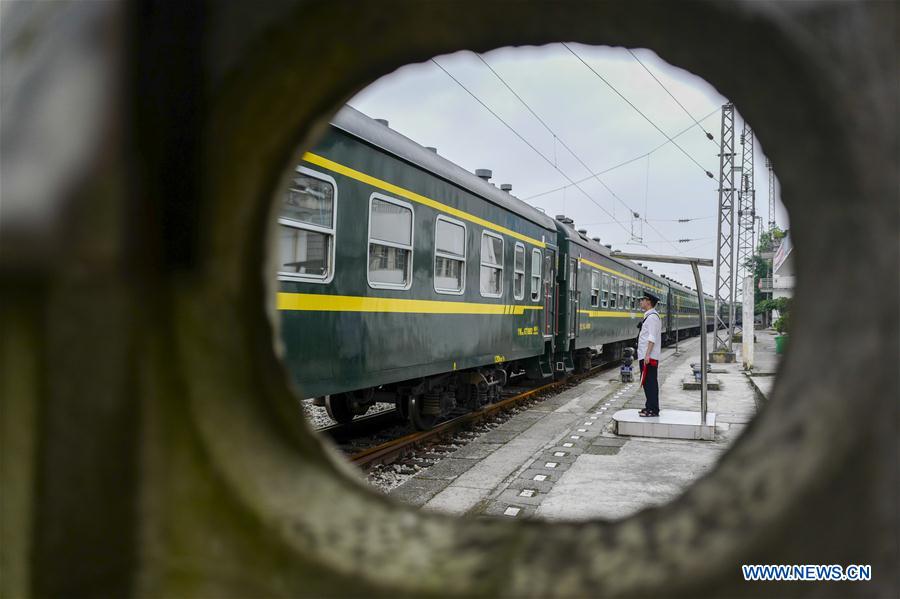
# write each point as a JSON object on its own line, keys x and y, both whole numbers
{"x": 768, "y": 238}
{"x": 761, "y": 268}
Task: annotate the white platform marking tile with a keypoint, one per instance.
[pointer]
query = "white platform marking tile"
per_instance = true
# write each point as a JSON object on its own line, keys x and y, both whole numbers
{"x": 559, "y": 454}
{"x": 551, "y": 465}
{"x": 512, "y": 511}
{"x": 568, "y": 445}
{"x": 576, "y": 437}
{"x": 527, "y": 493}
{"x": 540, "y": 477}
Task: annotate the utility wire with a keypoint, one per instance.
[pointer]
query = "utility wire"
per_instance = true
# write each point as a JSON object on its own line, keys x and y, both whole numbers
{"x": 564, "y": 144}
{"x": 680, "y": 220}
{"x": 638, "y": 110}
{"x": 679, "y": 241}
{"x": 529, "y": 144}
{"x": 671, "y": 95}
{"x": 626, "y": 162}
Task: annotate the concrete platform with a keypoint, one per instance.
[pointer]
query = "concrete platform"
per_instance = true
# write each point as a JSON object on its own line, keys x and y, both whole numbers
{"x": 722, "y": 357}
{"x": 670, "y": 424}
{"x": 689, "y": 383}
{"x": 561, "y": 459}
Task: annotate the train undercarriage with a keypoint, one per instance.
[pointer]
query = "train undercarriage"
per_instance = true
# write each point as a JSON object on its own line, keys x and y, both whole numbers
{"x": 424, "y": 402}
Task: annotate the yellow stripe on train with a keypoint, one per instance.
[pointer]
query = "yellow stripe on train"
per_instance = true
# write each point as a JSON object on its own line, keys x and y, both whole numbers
{"x": 619, "y": 274}
{"x": 314, "y": 302}
{"x": 415, "y": 197}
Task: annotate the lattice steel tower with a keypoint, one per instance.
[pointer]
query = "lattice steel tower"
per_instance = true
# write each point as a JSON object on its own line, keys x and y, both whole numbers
{"x": 724, "y": 331}
{"x": 771, "y": 194}
{"x": 746, "y": 222}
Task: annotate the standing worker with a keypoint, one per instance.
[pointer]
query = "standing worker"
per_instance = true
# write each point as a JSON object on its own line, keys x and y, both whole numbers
{"x": 649, "y": 343}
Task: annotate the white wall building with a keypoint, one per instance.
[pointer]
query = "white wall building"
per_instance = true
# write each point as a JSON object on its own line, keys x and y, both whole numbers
{"x": 783, "y": 270}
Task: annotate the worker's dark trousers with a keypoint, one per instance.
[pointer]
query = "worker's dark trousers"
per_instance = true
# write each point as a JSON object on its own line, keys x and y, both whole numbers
{"x": 651, "y": 387}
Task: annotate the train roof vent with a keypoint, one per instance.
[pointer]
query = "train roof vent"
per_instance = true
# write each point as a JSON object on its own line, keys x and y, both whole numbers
{"x": 561, "y": 218}
{"x": 582, "y": 231}
{"x": 507, "y": 187}
{"x": 608, "y": 246}
{"x": 484, "y": 174}
{"x": 383, "y": 122}
{"x": 597, "y": 239}
{"x": 431, "y": 149}
{"x": 569, "y": 221}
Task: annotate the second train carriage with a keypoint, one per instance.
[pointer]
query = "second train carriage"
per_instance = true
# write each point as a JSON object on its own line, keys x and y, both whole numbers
{"x": 405, "y": 278}
{"x": 600, "y": 296}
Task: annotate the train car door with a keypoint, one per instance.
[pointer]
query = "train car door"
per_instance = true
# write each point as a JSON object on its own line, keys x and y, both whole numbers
{"x": 549, "y": 292}
{"x": 573, "y": 298}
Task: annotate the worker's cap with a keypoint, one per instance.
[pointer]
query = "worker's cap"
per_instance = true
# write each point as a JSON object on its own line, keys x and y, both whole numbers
{"x": 650, "y": 297}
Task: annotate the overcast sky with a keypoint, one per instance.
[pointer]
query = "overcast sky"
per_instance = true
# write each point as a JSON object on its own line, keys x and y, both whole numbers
{"x": 425, "y": 104}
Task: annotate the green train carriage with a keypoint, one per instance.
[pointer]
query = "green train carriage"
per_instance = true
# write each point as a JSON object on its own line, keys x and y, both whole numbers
{"x": 600, "y": 295}
{"x": 404, "y": 278}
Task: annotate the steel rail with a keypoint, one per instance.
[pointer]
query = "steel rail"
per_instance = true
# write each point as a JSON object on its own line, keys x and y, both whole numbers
{"x": 361, "y": 425}
{"x": 386, "y": 452}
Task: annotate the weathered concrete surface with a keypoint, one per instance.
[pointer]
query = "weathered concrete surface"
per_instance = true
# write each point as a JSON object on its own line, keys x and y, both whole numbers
{"x": 688, "y": 383}
{"x": 149, "y": 447}
{"x": 647, "y": 472}
{"x": 636, "y": 473}
{"x": 644, "y": 473}
{"x": 475, "y": 484}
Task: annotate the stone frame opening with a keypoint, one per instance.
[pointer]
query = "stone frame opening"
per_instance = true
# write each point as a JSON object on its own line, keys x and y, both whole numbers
{"x": 228, "y": 493}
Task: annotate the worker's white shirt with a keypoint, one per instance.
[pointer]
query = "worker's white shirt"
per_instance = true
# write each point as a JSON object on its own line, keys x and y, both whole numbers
{"x": 651, "y": 331}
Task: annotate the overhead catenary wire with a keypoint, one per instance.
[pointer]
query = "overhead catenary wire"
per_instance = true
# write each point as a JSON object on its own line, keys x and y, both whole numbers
{"x": 638, "y": 110}
{"x": 556, "y": 138}
{"x": 671, "y": 95}
{"x": 565, "y": 145}
{"x": 680, "y": 220}
{"x": 529, "y": 144}
{"x": 625, "y": 162}
{"x": 666, "y": 241}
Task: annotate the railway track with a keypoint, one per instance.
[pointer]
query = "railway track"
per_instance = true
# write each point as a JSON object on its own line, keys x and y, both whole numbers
{"x": 361, "y": 426}
{"x": 390, "y": 451}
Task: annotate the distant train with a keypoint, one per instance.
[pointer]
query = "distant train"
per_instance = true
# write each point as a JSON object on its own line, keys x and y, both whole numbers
{"x": 404, "y": 278}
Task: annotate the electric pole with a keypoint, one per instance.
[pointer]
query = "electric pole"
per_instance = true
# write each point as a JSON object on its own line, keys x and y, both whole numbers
{"x": 746, "y": 222}
{"x": 771, "y": 195}
{"x": 723, "y": 331}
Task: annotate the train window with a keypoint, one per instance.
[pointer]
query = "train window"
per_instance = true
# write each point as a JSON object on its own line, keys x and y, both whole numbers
{"x": 519, "y": 272}
{"x": 629, "y": 297}
{"x": 595, "y": 289}
{"x": 604, "y": 295}
{"x": 621, "y": 294}
{"x": 306, "y": 228}
{"x": 449, "y": 255}
{"x": 390, "y": 243}
{"x": 535, "y": 275}
{"x": 491, "y": 265}
{"x": 612, "y": 292}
